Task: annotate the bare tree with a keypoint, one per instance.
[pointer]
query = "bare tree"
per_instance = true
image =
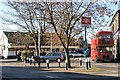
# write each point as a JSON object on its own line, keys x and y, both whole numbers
{"x": 65, "y": 18}
{"x": 28, "y": 16}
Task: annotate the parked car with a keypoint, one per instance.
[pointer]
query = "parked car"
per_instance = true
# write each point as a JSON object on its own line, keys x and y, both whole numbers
{"x": 53, "y": 56}
{"x": 73, "y": 54}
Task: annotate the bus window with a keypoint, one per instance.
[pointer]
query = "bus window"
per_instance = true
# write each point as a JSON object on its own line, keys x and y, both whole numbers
{"x": 109, "y": 48}
{"x": 107, "y": 36}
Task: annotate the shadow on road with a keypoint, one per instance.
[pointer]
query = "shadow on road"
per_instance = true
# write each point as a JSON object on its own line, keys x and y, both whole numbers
{"x": 32, "y": 73}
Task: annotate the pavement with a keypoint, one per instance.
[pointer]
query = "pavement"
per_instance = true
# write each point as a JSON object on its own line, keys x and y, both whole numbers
{"x": 7, "y": 60}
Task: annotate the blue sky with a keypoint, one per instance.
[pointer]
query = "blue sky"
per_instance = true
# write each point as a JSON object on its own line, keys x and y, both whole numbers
{"x": 5, "y": 27}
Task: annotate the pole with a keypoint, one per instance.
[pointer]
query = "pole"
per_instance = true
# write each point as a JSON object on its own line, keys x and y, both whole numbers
{"x": 66, "y": 64}
{"x": 59, "y": 62}
{"x": 86, "y": 63}
{"x": 80, "y": 60}
{"x": 51, "y": 42}
{"x": 39, "y": 29}
{"x": 85, "y": 36}
{"x": 89, "y": 63}
{"x": 39, "y": 40}
{"x": 47, "y": 61}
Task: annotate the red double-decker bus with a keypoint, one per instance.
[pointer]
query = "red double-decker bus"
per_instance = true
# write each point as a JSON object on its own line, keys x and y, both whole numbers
{"x": 101, "y": 46}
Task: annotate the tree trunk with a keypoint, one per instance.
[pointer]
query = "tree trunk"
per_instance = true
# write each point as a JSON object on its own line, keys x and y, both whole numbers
{"x": 36, "y": 48}
{"x": 68, "y": 58}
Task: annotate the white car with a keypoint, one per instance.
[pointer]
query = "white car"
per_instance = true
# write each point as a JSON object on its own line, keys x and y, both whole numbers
{"x": 75, "y": 54}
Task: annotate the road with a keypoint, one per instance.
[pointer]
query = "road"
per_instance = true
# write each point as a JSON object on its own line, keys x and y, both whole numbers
{"x": 19, "y": 71}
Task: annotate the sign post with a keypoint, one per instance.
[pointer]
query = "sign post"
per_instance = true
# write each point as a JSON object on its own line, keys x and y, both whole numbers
{"x": 85, "y": 22}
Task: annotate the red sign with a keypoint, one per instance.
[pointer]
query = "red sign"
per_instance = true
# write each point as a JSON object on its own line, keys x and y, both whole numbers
{"x": 86, "y": 20}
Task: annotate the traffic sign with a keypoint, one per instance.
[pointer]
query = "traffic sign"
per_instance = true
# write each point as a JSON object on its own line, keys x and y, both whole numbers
{"x": 86, "y": 51}
{"x": 86, "y": 20}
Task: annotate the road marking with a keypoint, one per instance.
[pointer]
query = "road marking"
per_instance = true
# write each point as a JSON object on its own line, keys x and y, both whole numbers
{"x": 51, "y": 76}
{"x": 38, "y": 72}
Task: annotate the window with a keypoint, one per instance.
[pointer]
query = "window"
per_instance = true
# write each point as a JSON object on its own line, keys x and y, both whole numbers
{"x": 106, "y": 36}
{"x": 49, "y": 54}
{"x": 55, "y": 54}
{"x": 59, "y": 54}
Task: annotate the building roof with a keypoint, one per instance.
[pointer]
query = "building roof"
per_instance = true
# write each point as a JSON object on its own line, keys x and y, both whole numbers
{"x": 10, "y": 36}
{"x": 114, "y": 17}
{"x": 48, "y": 39}
{"x": 1, "y": 34}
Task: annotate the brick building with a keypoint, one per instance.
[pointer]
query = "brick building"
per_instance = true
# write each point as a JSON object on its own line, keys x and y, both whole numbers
{"x": 115, "y": 28}
{"x": 51, "y": 42}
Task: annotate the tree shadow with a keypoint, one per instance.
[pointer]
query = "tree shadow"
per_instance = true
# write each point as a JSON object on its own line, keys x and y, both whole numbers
{"x": 60, "y": 75}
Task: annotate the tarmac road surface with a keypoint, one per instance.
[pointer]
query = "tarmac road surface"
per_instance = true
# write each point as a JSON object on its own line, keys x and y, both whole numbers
{"x": 15, "y": 71}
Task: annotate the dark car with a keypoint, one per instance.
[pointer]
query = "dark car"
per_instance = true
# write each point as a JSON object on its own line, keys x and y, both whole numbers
{"x": 53, "y": 56}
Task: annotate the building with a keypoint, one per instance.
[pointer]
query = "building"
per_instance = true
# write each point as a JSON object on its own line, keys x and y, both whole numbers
{"x": 3, "y": 45}
{"x": 18, "y": 41}
{"x": 115, "y": 28}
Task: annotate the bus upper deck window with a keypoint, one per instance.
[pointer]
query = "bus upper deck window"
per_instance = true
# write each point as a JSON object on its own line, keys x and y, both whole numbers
{"x": 108, "y": 36}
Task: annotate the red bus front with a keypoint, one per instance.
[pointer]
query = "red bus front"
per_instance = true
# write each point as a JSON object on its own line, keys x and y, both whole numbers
{"x": 101, "y": 46}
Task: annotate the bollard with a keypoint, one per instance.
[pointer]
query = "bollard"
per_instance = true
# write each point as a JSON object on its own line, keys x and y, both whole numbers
{"x": 27, "y": 59}
{"x": 38, "y": 62}
{"x": 80, "y": 59}
{"x": 30, "y": 61}
{"x": 86, "y": 63}
{"x": 47, "y": 61}
{"x": 59, "y": 62}
{"x": 89, "y": 64}
{"x": 66, "y": 66}
{"x": 33, "y": 61}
